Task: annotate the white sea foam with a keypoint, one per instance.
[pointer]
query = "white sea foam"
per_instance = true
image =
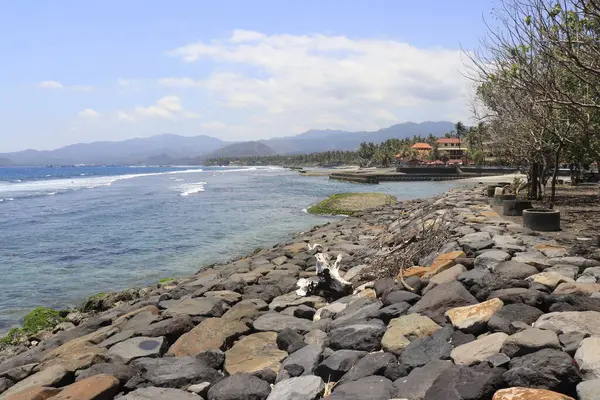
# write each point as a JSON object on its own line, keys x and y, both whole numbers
{"x": 52, "y": 185}
{"x": 191, "y": 188}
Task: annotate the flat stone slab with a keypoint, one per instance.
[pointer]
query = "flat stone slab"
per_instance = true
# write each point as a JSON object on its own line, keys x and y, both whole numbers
{"x": 154, "y": 393}
{"x": 253, "y": 353}
{"x": 136, "y": 347}
{"x": 301, "y": 388}
{"x": 478, "y": 350}
{"x": 199, "y": 306}
{"x": 276, "y": 322}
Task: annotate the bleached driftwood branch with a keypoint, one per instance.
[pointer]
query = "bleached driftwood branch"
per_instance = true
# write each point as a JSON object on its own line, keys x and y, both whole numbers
{"x": 327, "y": 279}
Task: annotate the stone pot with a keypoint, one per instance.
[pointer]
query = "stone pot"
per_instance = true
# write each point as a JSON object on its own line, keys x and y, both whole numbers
{"x": 491, "y": 190}
{"x": 515, "y": 207}
{"x": 541, "y": 219}
{"x": 499, "y": 198}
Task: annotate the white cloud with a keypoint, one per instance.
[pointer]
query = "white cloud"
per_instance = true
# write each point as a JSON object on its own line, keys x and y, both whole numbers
{"x": 289, "y": 83}
{"x": 51, "y": 85}
{"x": 168, "y": 107}
{"x": 89, "y": 113}
{"x": 124, "y": 82}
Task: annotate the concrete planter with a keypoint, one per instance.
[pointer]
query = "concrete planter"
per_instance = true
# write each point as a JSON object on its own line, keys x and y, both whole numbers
{"x": 515, "y": 207}
{"x": 541, "y": 219}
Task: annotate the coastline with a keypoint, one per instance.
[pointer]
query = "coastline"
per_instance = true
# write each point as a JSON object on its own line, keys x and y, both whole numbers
{"x": 224, "y": 310}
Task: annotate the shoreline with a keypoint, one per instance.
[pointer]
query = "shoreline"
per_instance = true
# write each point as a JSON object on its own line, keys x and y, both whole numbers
{"x": 241, "y": 325}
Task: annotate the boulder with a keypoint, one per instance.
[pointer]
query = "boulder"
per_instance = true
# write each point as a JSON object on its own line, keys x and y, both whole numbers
{"x": 449, "y": 275}
{"x": 316, "y": 336}
{"x": 460, "y": 382}
{"x": 490, "y": 259}
{"x": 120, "y": 371}
{"x": 200, "y": 306}
{"x": 288, "y": 337}
{"x": 474, "y": 318}
{"x": 292, "y": 299}
{"x": 155, "y": 393}
{"x": 55, "y": 375}
{"x": 301, "y": 388}
{"x": 518, "y": 295}
{"x": 136, "y": 347}
{"x": 572, "y": 302}
{"x": 570, "y": 341}
{"x": 587, "y": 358}
{"x": 529, "y": 341}
{"x": 171, "y": 328}
{"x": 400, "y": 296}
{"x": 550, "y": 279}
{"x": 401, "y": 330}
{"x": 360, "y": 336}
{"x": 304, "y": 361}
{"x": 514, "y": 270}
{"x": 34, "y": 393}
{"x": 332, "y": 368}
{"x": 552, "y": 250}
{"x": 305, "y": 312}
{"x": 589, "y": 390}
{"x": 476, "y": 241}
{"x": 422, "y": 351}
{"x": 254, "y": 353}
{"x": 570, "y": 322}
{"x": 545, "y": 369}
{"x": 172, "y": 372}
{"x": 276, "y": 322}
{"x": 502, "y": 319}
{"x": 519, "y": 393}
{"x": 212, "y": 333}
{"x": 478, "y": 350}
{"x": 371, "y": 387}
{"x": 239, "y": 386}
{"x": 95, "y": 387}
{"x": 415, "y": 385}
{"x": 577, "y": 287}
{"x": 371, "y": 364}
{"x": 535, "y": 259}
{"x": 442, "y": 298}
{"x": 230, "y": 297}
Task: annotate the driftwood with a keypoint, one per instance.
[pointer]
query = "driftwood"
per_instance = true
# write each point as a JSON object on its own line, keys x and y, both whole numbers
{"x": 327, "y": 281}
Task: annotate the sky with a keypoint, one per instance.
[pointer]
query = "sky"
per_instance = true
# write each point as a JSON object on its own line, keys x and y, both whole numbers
{"x": 81, "y": 71}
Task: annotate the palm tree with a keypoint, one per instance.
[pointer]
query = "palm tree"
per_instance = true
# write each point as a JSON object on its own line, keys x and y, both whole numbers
{"x": 460, "y": 129}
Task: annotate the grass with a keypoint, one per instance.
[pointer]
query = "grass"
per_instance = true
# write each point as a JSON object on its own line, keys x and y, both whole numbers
{"x": 37, "y": 320}
{"x": 350, "y": 203}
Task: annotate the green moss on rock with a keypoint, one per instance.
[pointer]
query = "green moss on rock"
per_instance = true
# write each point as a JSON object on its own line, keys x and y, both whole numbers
{"x": 350, "y": 203}
{"x": 165, "y": 280}
{"x": 37, "y": 320}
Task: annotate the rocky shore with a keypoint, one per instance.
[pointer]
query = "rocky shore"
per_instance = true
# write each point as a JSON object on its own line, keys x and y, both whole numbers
{"x": 496, "y": 312}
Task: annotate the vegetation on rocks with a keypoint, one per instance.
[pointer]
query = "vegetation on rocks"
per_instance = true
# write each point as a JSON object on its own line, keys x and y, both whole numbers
{"x": 350, "y": 203}
{"x": 37, "y": 320}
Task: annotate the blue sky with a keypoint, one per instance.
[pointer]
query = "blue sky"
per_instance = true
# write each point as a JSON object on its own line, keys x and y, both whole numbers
{"x": 75, "y": 71}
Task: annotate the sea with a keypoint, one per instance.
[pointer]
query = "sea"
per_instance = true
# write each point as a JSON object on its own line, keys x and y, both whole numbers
{"x": 69, "y": 232}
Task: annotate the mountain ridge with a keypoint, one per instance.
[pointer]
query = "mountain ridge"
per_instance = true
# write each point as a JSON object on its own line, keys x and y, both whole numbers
{"x": 168, "y": 147}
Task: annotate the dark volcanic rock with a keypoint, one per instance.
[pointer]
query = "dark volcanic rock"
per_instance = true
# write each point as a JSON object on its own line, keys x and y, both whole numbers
{"x": 481, "y": 282}
{"x": 544, "y": 369}
{"x": 212, "y": 358}
{"x": 263, "y": 292}
{"x": 171, "y": 328}
{"x": 120, "y": 371}
{"x": 240, "y": 386}
{"x": 303, "y": 361}
{"x": 305, "y": 312}
{"x": 466, "y": 383}
{"x": 572, "y": 302}
{"x": 371, "y": 364}
{"x": 501, "y": 320}
{"x": 570, "y": 341}
{"x": 336, "y": 365}
{"x": 266, "y": 374}
{"x": 172, "y": 372}
{"x": 371, "y": 387}
{"x": 360, "y": 310}
{"x": 393, "y": 311}
{"x": 360, "y": 336}
{"x": 384, "y": 285}
{"x": 424, "y": 350}
{"x": 400, "y": 296}
{"x": 395, "y": 371}
{"x": 442, "y": 298}
{"x": 286, "y": 337}
{"x": 533, "y": 298}
{"x": 514, "y": 270}
{"x": 415, "y": 385}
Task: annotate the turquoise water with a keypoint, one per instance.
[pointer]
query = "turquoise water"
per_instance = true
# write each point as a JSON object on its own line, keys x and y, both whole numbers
{"x": 67, "y": 233}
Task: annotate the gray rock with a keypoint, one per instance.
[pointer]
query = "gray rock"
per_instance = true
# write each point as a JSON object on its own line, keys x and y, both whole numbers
{"x": 360, "y": 336}
{"x": 5, "y": 384}
{"x": 498, "y": 360}
{"x": 476, "y": 241}
{"x": 371, "y": 387}
{"x": 304, "y": 361}
{"x": 424, "y": 350}
{"x": 138, "y": 347}
{"x": 316, "y": 336}
{"x": 172, "y": 372}
{"x": 478, "y": 350}
{"x": 449, "y": 275}
{"x": 305, "y": 312}
{"x": 200, "y": 389}
{"x": 154, "y": 393}
{"x": 400, "y": 296}
{"x": 171, "y": 328}
{"x": 517, "y": 295}
{"x": 336, "y": 365}
{"x": 535, "y": 259}
{"x": 287, "y": 337}
{"x": 529, "y": 341}
{"x": 477, "y": 382}
{"x": 545, "y": 369}
{"x": 514, "y": 270}
{"x": 200, "y": 306}
{"x": 570, "y": 341}
{"x": 442, "y": 298}
{"x": 572, "y": 302}
{"x": 371, "y": 364}
{"x": 587, "y": 358}
{"x": 580, "y": 262}
{"x": 19, "y": 373}
{"x": 300, "y": 388}
{"x": 292, "y": 299}
{"x": 362, "y": 309}
{"x": 509, "y": 313}
{"x": 589, "y": 390}
{"x": 587, "y": 322}
{"x": 415, "y": 385}
{"x": 393, "y": 311}
{"x": 239, "y": 386}
{"x": 120, "y": 371}
{"x": 490, "y": 259}
{"x": 212, "y": 358}
{"x": 276, "y": 322}
{"x": 586, "y": 279}
{"x": 508, "y": 242}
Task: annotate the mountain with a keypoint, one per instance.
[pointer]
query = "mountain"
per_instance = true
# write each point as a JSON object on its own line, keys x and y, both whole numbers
{"x": 172, "y": 149}
{"x": 129, "y": 151}
{"x": 316, "y": 140}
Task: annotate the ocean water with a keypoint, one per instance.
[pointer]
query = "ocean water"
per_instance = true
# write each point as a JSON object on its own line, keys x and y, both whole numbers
{"x": 69, "y": 232}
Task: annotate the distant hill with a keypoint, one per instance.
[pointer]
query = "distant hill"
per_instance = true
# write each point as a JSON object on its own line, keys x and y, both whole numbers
{"x": 123, "y": 152}
{"x": 316, "y": 140}
{"x": 172, "y": 149}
